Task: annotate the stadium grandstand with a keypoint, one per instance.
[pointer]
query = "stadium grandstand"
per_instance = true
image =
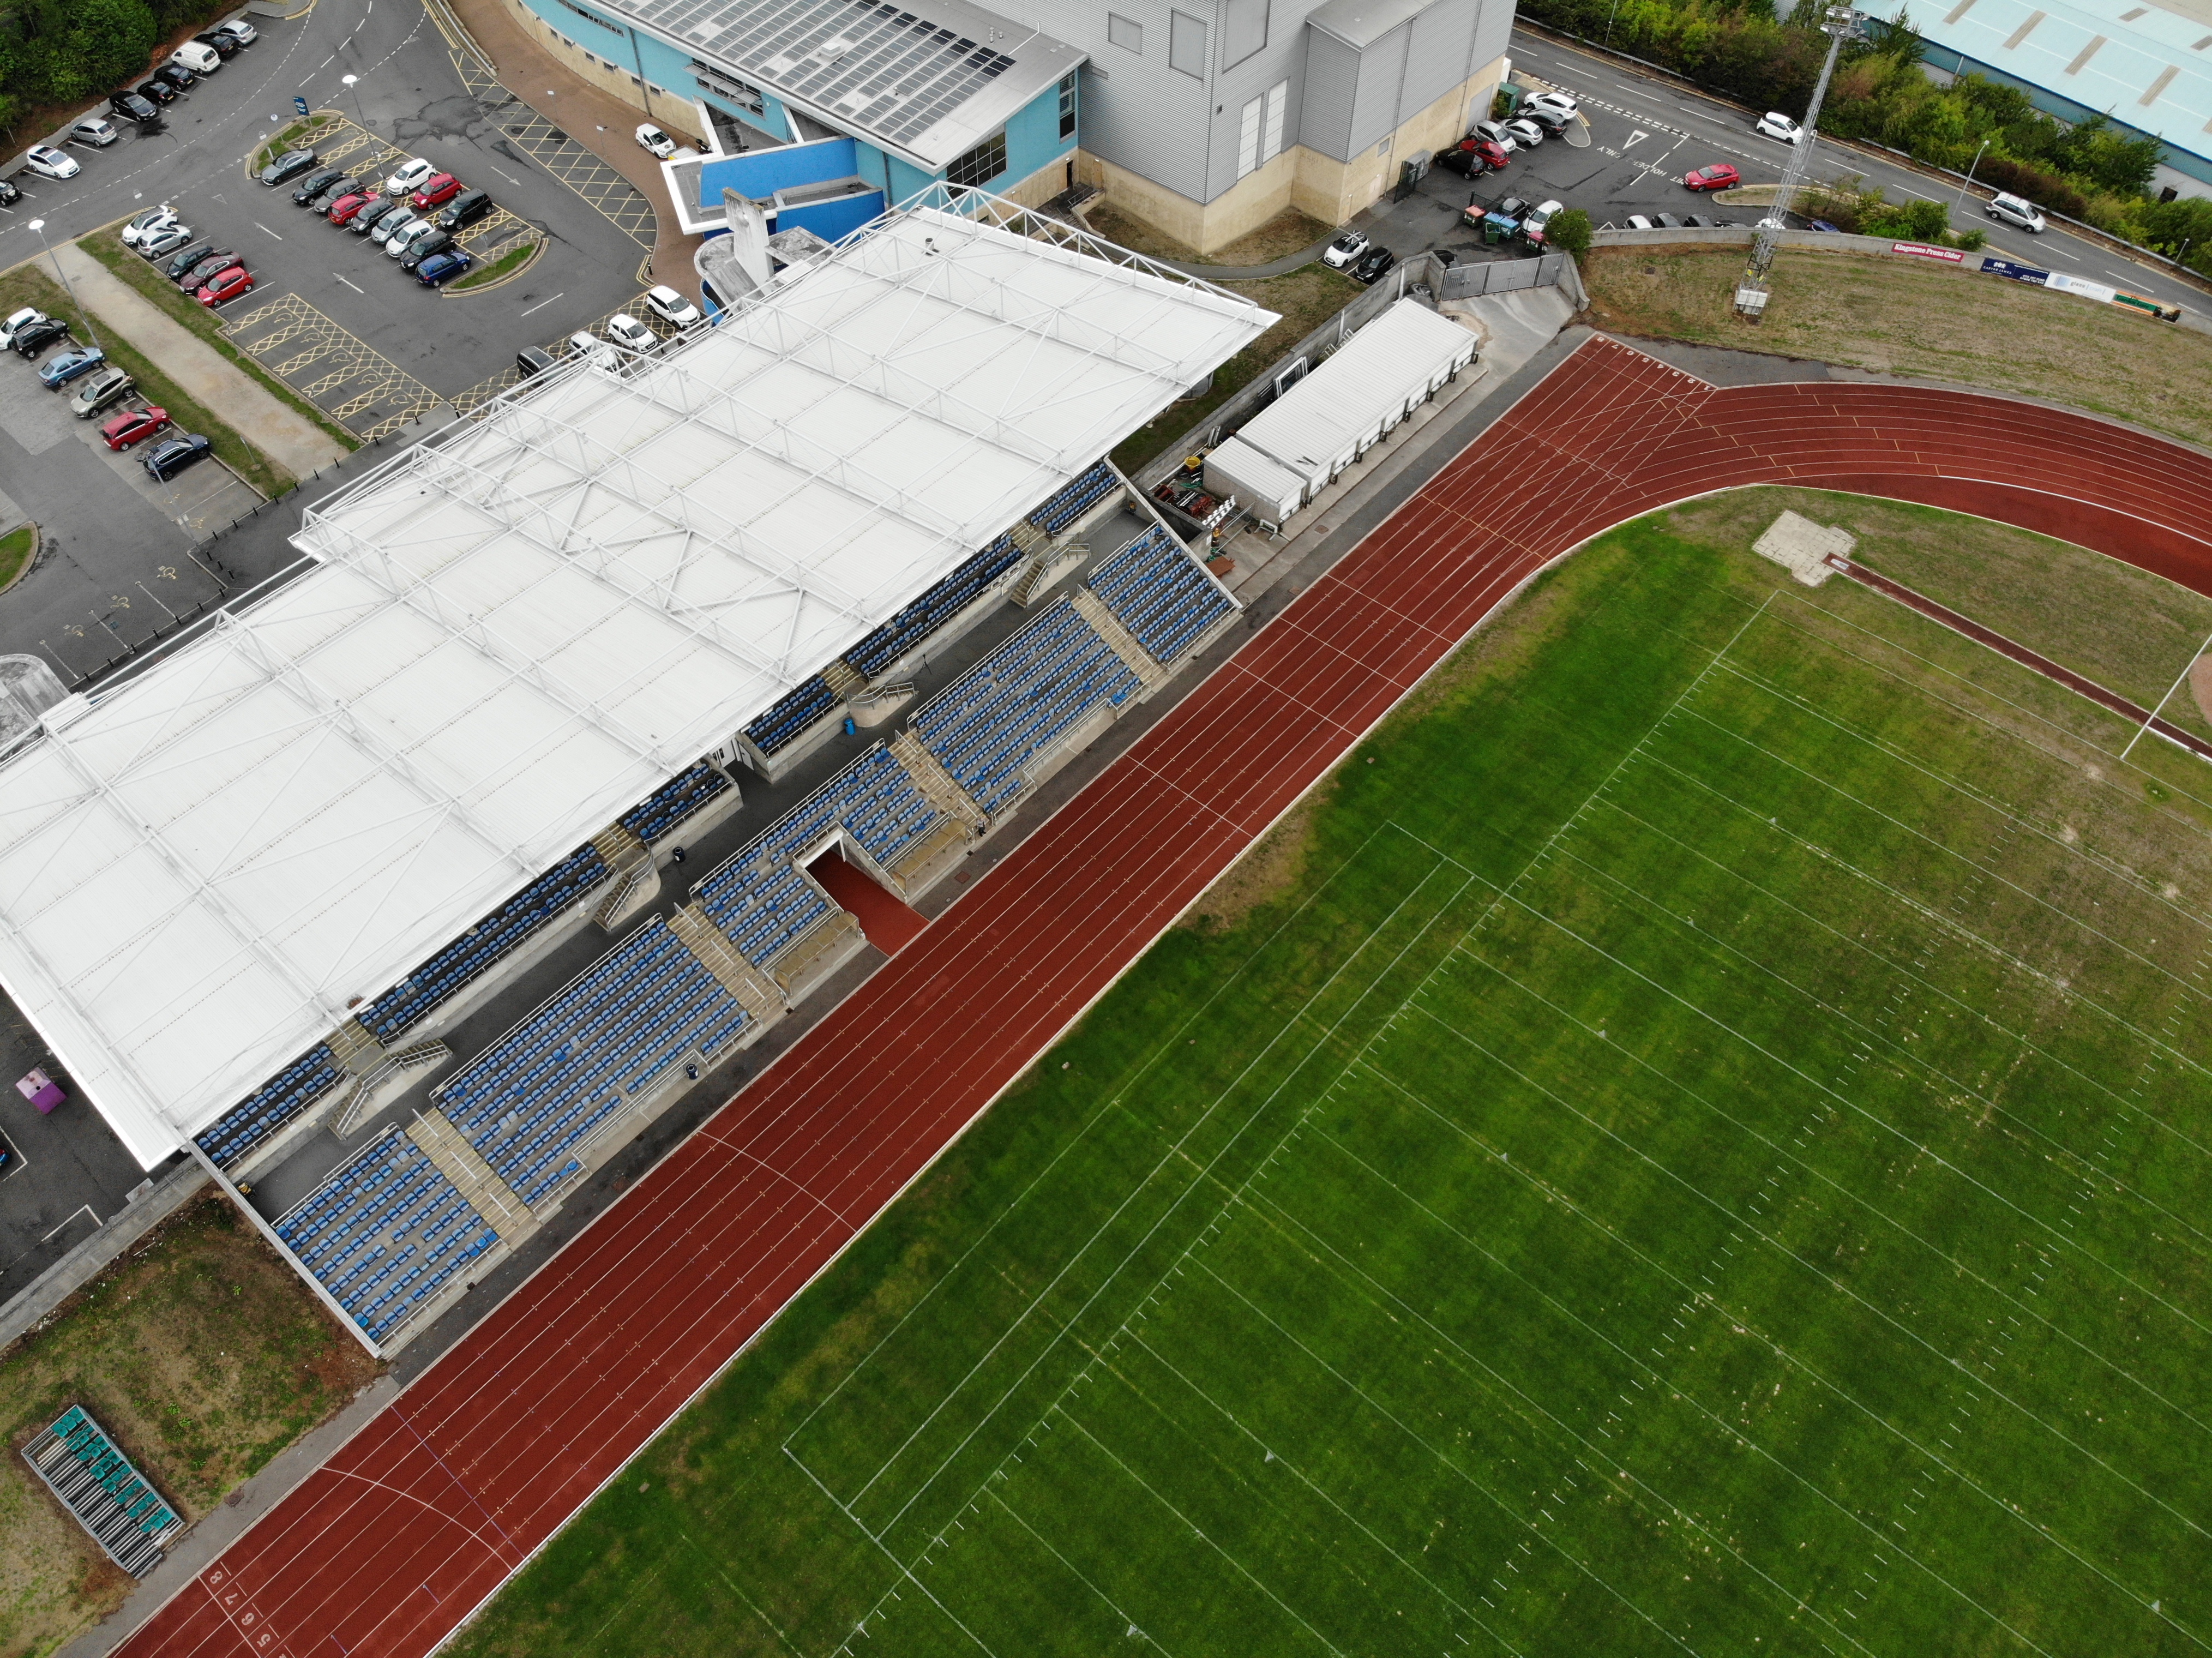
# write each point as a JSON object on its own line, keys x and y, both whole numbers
{"x": 247, "y": 892}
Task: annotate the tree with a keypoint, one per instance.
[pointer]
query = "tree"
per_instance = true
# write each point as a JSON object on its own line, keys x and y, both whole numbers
{"x": 1569, "y": 232}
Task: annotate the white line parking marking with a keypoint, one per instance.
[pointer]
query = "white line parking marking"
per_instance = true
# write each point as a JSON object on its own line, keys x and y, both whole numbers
{"x": 266, "y": 230}
{"x": 542, "y": 304}
{"x": 357, "y": 290}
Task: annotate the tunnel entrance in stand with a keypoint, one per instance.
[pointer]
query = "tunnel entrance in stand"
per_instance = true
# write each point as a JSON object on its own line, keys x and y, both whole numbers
{"x": 890, "y": 923}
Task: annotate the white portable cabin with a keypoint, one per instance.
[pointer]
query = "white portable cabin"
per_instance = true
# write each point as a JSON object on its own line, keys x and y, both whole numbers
{"x": 1337, "y": 413}
{"x": 1263, "y": 487}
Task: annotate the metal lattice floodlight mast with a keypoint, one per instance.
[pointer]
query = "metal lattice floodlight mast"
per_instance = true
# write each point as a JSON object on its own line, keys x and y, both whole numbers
{"x": 1839, "y": 24}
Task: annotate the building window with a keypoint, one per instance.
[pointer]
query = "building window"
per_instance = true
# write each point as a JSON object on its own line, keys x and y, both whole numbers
{"x": 1186, "y": 45}
{"x": 1126, "y": 32}
{"x": 1244, "y": 30}
{"x": 723, "y": 85}
{"x": 591, "y": 17}
{"x": 980, "y": 165}
{"x": 1067, "y": 108}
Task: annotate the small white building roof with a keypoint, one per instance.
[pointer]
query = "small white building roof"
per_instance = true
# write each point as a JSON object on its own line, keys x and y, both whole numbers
{"x": 519, "y": 629}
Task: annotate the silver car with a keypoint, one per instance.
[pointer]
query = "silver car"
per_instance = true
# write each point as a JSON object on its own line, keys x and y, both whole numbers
{"x": 391, "y": 225}
{"x": 397, "y": 244}
{"x": 102, "y": 387}
{"x": 2017, "y": 211}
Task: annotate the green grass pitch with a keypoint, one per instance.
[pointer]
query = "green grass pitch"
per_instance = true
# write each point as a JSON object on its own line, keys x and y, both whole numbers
{"x": 1707, "y": 1155}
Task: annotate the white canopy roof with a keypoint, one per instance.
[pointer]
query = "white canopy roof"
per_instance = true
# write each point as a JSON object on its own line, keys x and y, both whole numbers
{"x": 523, "y": 627}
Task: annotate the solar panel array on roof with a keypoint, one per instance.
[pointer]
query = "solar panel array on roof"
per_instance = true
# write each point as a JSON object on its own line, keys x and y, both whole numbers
{"x": 881, "y": 67}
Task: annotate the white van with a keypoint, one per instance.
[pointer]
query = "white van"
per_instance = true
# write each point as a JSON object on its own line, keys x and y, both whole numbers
{"x": 200, "y": 59}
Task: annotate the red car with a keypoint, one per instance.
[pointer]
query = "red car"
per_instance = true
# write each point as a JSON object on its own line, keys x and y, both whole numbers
{"x": 343, "y": 208}
{"x": 1719, "y": 176}
{"x": 1492, "y": 155}
{"x": 225, "y": 285}
{"x": 133, "y": 426}
{"x": 438, "y": 188}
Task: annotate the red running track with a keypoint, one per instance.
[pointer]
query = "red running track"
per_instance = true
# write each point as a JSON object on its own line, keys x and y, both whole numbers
{"x": 426, "y": 1511}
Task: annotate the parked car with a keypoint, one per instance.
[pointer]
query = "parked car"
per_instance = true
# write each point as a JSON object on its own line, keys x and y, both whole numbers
{"x": 1532, "y": 223}
{"x": 1526, "y": 133}
{"x": 627, "y": 332}
{"x": 1775, "y": 125}
{"x": 157, "y": 91}
{"x": 327, "y": 197}
{"x": 434, "y": 191}
{"x": 73, "y": 364}
{"x": 225, "y": 286}
{"x": 657, "y": 144}
{"x": 102, "y": 388}
{"x": 201, "y": 271}
{"x": 344, "y": 209}
{"x": 239, "y": 30}
{"x": 2018, "y": 211}
{"x": 186, "y": 258}
{"x": 410, "y": 176}
{"x": 198, "y": 57}
{"x": 133, "y": 426}
{"x": 442, "y": 267}
{"x": 175, "y": 238}
{"x": 176, "y": 76}
{"x": 1638, "y": 221}
{"x": 33, "y": 338}
{"x": 1668, "y": 222}
{"x": 671, "y": 306}
{"x": 223, "y": 46}
{"x": 18, "y": 321}
{"x": 1553, "y": 124}
{"x": 437, "y": 242}
{"x": 1496, "y": 132}
{"x": 1719, "y": 176}
{"x": 1491, "y": 155}
{"x": 465, "y": 209}
{"x": 168, "y": 458}
{"x": 1559, "y": 103}
{"x": 9, "y": 190}
{"x": 1511, "y": 208}
{"x": 139, "y": 226}
{"x": 1704, "y": 221}
{"x": 392, "y": 224}
{"x": 1346, "y": 248}
{"x": 1372, "y": 264}
{"x": 287, "y": 167}
{"x": 50, "y": 163}
{"x": 584, "y": 344}
{"x": 93, "y": 132}
{"x": 1824, "y": 226}
{"x": 1465, "y": 162}
{"x": 315, "y": 184}
{"x": 533, "y": 360}
{"x": 131, "y": 106}
{"x": 373, "y": 215}
{"x": 395, "y": 245}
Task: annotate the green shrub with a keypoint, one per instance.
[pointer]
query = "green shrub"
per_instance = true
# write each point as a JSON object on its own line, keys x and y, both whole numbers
{"x": 1569, "y": 232}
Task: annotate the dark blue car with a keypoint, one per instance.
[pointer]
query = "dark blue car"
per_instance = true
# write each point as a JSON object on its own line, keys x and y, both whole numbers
{"x": 440, "y": 266}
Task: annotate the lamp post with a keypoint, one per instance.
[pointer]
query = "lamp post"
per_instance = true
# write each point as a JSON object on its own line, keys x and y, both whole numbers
{"x": 352, "y": 84}
{"x": 1961, "y": 203}
{"x": 1840, "y": 24}
{"x": 91, "y": 333}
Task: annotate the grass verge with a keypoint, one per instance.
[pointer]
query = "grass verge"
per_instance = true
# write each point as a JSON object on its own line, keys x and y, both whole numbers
{"x": 1698, "y": 1154}
{"x": 1907, "y": 317}
{"x": 500, "y": 268}
{"x": 27, "y": 285}
{"x": 172, "y": 301}
{"x": 1304, "y": 300}
{"x": 15, "y": 547}
{"x": 203, "y": 1356}
{"x": 1287, "y": 233}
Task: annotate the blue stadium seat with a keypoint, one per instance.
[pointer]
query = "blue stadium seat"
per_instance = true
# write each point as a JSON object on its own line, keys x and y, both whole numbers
{"x": 385, "y": 1233}
{"x": 791, "y": 715}
{"x": 757, "y": 896}
{"x": 1076, "y": 498}
{"x": 936, "y": 607}
{"x": 986, "y": 726}
{"x": 1156, "y": 590}
{"x": 668, "y": 806}
{"x": 279, "y": 1100}
{"x": 527, "y": 1102}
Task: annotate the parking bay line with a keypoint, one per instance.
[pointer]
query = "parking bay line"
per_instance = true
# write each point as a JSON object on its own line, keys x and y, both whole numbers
{"x": 542, "y": 304}
{"x": 358, "y": 290}
{"x": 266, "y": 230}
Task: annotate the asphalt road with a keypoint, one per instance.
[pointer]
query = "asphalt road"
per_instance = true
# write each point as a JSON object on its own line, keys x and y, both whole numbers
{"x": 1646, "y": 134}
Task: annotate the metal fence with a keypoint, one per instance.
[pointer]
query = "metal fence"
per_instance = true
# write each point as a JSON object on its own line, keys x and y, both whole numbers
{"x": 1472, "y": 279}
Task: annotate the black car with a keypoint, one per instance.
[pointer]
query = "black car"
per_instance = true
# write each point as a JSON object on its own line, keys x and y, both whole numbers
{"x": 1465, "y": 162}
{"x": 10, "y": 191}
{"x": 1513, "y": 208}
{"x": 533, "y": 360}
{"x": 423, "y": 247}
{"x": 465, "y": 208}
{"x": 177, "y": 75}
{"x": 168, "y": 459}
{"x": 1666, "y": 220}
{"x": 186, "y": 258}
{"x": 1374, "y": 263}
{"x": 1550, "y": 120}
{"x": 131, "y": 107}
{"x": 287, "y": 167}
{"x": 159, "y": 91}
{"x": 328, "y": 197}
{"x": 315, "y": 183}
{"x": 225, "y": 47}
{"x": 35, "y": 337}
{"x": 365, "y": 220}
{"x": 196, "y": 274}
